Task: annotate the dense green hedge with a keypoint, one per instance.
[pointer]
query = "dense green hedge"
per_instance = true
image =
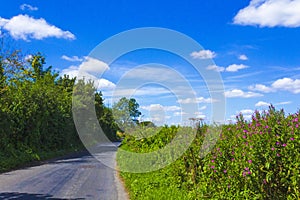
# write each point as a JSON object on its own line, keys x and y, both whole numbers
{"x": 257, "y": 159}
{"x": 36, "y": 119}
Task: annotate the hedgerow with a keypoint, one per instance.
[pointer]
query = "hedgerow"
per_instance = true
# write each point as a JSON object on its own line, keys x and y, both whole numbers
{"x": 255, "y": 159}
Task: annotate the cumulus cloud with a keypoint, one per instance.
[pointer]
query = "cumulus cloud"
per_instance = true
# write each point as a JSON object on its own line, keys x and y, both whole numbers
{"x": 149, "y": 91}
{"x": 243, "y": 57}
{"x": 230, "y": 68}
{"x": 261, "y": 88}
{"x": 235, "y": 67}
{"x": 28, "y": 57}
{"x": 195, "y": 100}
{"x": 158, "y": 107}
{"x": 284, "y": 84}
{"x": 247, "y": 112}
{"x": 178, "y": 114}
{"x": 87, "y": 68}
{"x": 104, "y": 84}
{"x": 28, "y": 7}
{"x": 262, "y": 104}
{"x": 200, "y": 115}
{"x": 239, "y": 93}
{"x": 215, "y": 68}
{"x": 72, "y": 71}
{"x": 25, "y": 27}
{"x": 203, "y": 54}
{"x": 158, "y": 112}
{"x": 71, "y": 59}
{"x": 270, "y": 13}
{"x": 93, "y": 65}
{"x": 287, "y": 84}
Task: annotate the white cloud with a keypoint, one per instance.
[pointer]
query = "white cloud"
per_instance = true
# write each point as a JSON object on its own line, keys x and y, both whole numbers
{"x": 28, "y": 7}
{"x": 239, "y": 93}
{"x": 287, "y": 84}
{"x": 262, "y": 104}
{"x": 89, "y": 68}
{"x": 247, "y": 112}
{"x": 215, "y": 68}
{"x": 172, "y": 108}
{"x": 104, "y": 84}
{"x": 72, "y": 71}
{"x": 247, "y": 115}
{"x": 243, "y": 57}
{"x": 202, "y": 107}
{"x": 195, "y": 100}
{"x": 85, "y": 68}
{"x": 261, "y": 88}
{"x": 159, "y": 107}
{"x": 25, "y": 27}
{"x": 203, "y": 54}
{"x": 270, "y": 13}
{"x": 230, "y": 68}
{"x": 28, "y": 57}
{"x": 93, "y": 65}
{"x": 72, "y": 59}
{"x": 3, "y": 21}
{"x": 151, "y": 91}
{"x": 200, "y": 115}
{"x": 158, "y": 115}
{"x": 235, "y": 67}
{"x": 178, "y": 114}
{"x": 283, "y": 103}
{"x": 155, "y": 72}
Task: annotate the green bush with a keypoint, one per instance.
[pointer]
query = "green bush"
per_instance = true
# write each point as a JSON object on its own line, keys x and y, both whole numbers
{"x": 256, "y": 159}
{"x": 36, "y": 120}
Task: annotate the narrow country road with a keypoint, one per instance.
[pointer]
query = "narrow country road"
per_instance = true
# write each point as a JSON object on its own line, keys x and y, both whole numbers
{"x": 76, "y": 177}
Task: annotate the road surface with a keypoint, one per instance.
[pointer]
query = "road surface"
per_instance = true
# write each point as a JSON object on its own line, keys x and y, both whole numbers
{"x": 77, "y": 177}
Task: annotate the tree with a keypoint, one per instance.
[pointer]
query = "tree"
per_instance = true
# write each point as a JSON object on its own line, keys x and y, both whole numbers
{"x": 37, "y": 63}
{"x": 126, "y": 113}
{"x": 66, "y": 83}
{"x": 2, "y": 77}
{"x": 105, "y": 118}
{"x": 133, "y": 109}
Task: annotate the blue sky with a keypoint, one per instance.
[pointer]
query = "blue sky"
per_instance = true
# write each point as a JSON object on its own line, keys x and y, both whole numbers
{"x": 254, "y": 45}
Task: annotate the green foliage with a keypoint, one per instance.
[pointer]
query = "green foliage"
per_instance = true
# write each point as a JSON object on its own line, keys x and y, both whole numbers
{"x": 257, "y": 159}
{"x": 105, "y": 118}
{"x": 36, "y": 120}
{"x": 126, "y": 112}
{"x": 35, "y": 111}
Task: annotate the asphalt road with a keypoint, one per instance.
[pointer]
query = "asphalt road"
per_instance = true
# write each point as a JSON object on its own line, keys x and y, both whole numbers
{"x": 76, "y": 177}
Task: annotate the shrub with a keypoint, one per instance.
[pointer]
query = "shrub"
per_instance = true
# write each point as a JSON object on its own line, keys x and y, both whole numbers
{"x": 256, "y": 159}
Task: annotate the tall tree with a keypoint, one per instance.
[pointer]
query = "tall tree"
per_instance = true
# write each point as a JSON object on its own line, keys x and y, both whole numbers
{"x": 126, "y": 112}
{"x": 133, "y": 109}
{"x": 37, "y": 63}
{"x": 105, "y": 118}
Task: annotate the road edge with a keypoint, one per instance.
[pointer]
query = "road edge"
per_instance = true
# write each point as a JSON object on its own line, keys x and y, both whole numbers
{"x": 121, "y": 189}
